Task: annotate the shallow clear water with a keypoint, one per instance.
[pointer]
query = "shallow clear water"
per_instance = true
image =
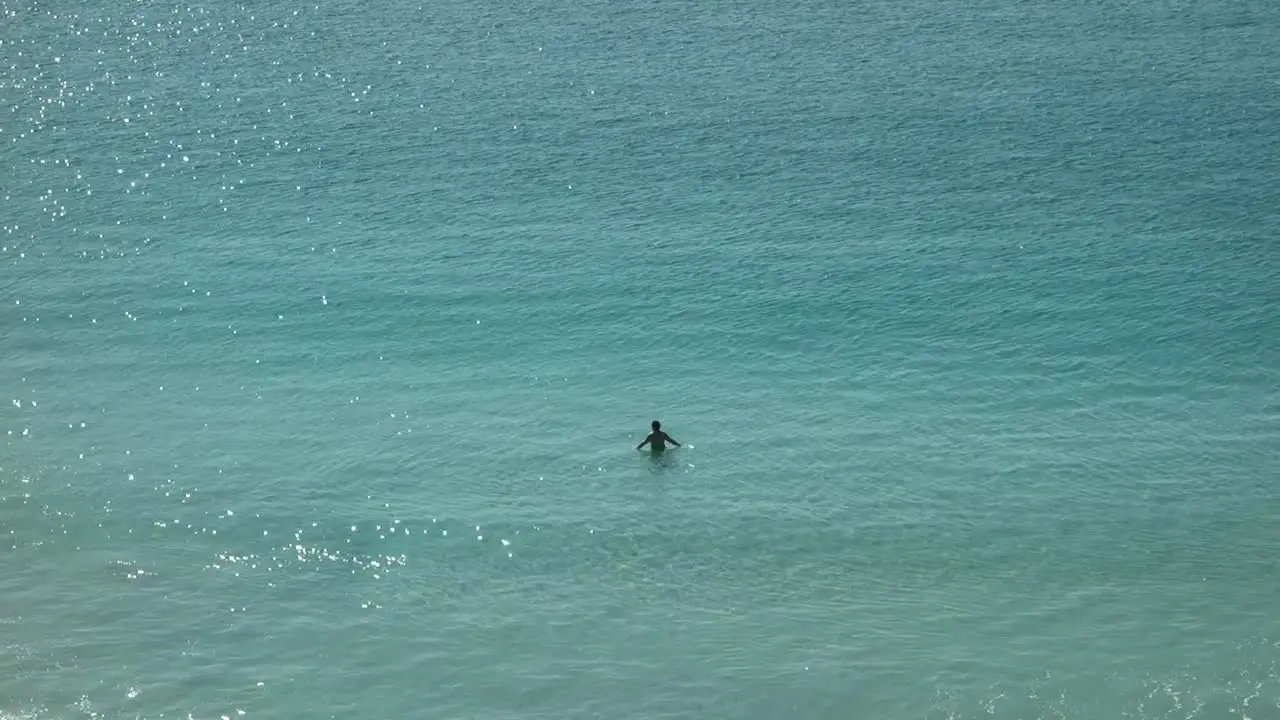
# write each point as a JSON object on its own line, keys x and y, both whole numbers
{"x": 329, "y": 330}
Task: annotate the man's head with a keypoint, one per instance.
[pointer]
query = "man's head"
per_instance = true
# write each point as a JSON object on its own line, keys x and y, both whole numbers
{"x": 655, "y": 425}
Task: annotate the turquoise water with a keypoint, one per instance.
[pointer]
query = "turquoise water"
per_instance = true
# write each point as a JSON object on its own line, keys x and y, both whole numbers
{"x": 329, "y": 329}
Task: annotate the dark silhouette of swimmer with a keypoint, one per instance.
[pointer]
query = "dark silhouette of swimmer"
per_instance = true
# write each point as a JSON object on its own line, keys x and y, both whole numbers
{"x": 657, "y": 439}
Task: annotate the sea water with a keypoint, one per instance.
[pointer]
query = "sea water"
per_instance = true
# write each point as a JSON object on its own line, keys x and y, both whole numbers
{"x": 328, "y": 330}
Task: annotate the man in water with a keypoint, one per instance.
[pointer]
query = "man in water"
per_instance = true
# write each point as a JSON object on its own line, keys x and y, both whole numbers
{"x": 658, "y": 439}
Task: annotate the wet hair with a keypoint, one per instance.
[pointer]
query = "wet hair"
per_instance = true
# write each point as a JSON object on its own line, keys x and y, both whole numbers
{"x": 655, "y": 424}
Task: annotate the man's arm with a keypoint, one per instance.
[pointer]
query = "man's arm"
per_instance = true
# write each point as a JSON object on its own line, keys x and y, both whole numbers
{"x": 644, "y": 442}
{"x": 671, "y": 440}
